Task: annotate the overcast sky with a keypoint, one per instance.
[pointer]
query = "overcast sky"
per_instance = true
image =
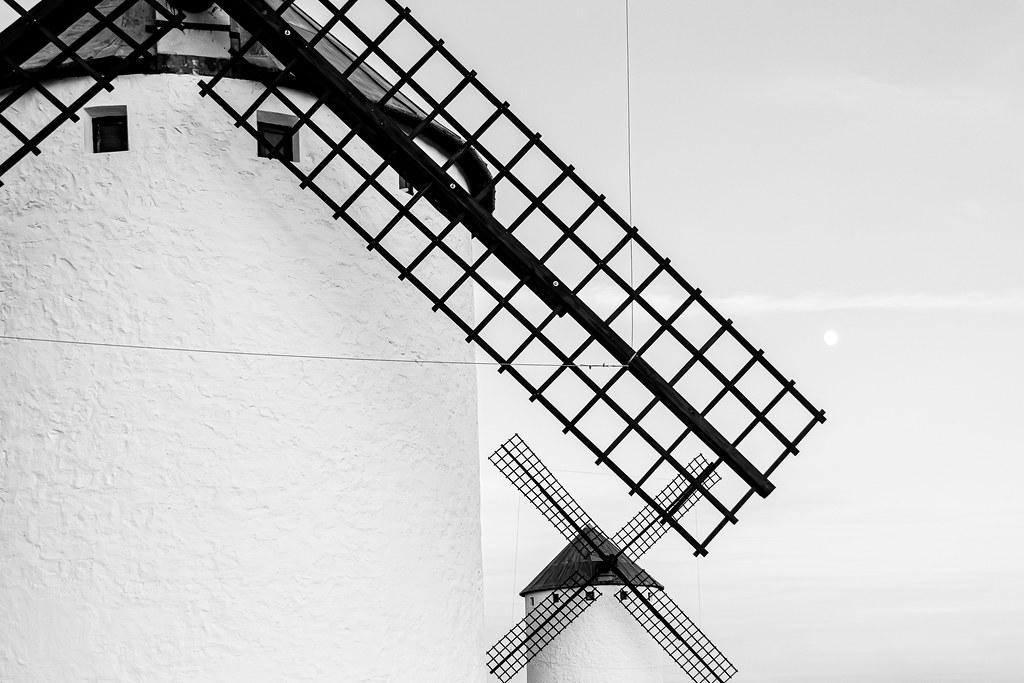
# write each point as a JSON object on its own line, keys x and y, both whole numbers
{"x": 849, "y": 166}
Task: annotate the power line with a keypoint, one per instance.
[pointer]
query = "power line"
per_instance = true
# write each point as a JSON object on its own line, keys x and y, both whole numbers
{"x": 629, "y": 171}
{"x": 299, "y": 356}
{"x": 515, "y": 560}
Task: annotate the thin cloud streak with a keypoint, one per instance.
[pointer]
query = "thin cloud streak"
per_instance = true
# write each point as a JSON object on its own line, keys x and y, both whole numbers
{"x": 981, "y": 302}
{"x": 959, "y": 103}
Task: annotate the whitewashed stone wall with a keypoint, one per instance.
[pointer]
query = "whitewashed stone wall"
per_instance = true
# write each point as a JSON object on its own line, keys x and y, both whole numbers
{"x": 171, "y": 516}
{"x": 604, "y": 645}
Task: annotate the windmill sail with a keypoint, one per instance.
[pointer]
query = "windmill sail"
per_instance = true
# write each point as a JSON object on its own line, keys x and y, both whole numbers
{"x": 524, "y": 469}
{"x": 646, "y": 528}
{"x": 678, "y": 635}
{"x": 521, "y": 466}
{"x": 553, "y": 266}
{"x": 564, "y": 279}
{"x": 589, "y": 559}
{"x": 539, "y": 627}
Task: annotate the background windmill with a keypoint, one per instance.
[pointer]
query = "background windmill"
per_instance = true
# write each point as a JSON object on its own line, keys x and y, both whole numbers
{"x": 590, "y": 568}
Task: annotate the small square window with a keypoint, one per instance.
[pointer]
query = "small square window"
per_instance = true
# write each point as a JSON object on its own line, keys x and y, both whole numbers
{"x": 108, "y": 128}
{"x": 591, "y": 595}
{"x": 275, "y": 132}
{"x": 271, "y": 135}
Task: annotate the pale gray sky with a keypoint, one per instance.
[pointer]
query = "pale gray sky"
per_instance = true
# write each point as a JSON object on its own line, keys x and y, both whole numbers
{"x": 812, "y": 166}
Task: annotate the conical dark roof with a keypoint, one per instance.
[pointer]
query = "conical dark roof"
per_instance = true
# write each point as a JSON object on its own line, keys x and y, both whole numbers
{"x": 571, "y": 562}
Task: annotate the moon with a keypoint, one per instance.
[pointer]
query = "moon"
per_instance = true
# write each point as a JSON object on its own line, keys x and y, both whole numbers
{"x": 831, "y": 337}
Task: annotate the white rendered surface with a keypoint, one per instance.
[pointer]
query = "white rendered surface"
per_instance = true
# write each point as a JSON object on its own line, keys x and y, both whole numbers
{"x": 604, "y": 645}
{"x": 170, "y": 516}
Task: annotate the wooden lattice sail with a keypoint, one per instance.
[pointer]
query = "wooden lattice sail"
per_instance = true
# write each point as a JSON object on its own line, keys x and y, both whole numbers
{"x": 562, "y": 275}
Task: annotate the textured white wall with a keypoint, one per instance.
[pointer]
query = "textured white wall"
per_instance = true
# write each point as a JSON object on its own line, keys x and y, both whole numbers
{"x": 188, "y": 517}
{"x": 604, "y": 645}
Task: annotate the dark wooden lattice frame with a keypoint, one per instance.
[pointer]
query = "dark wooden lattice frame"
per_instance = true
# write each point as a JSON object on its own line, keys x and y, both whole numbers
{"x": 567, "y": 297}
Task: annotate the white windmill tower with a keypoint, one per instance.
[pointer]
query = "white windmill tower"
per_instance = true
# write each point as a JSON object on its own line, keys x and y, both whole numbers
{"x": 603, "y": 644}
{"x": 199, "y": 509}
{"x": 205, "y": 516}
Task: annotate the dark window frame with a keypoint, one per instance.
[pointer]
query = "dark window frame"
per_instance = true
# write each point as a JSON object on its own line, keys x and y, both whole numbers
{"x": 271, "y": 134}
{"x": 103, "y": 141}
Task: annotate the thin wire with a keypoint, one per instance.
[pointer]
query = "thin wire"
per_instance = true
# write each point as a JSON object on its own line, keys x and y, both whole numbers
{"x": 299, "y": 356}
{"x": 515, "y": 560}
{"x": 700, "y": 611}
{"x": 629, "y": 174}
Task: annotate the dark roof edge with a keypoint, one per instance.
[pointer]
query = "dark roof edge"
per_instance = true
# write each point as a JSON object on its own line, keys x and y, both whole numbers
{"x": 643, "y": 580}
{"x": 573, "y": 565}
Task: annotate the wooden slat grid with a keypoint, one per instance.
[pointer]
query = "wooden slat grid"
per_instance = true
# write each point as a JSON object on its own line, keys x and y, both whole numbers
{"x": 542, "y": 623}
{"x": 645, "y": 528}
{"x": 534, "y": 480}
{"x": 40, "y": 28}
{"x": 677, "y": 635}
